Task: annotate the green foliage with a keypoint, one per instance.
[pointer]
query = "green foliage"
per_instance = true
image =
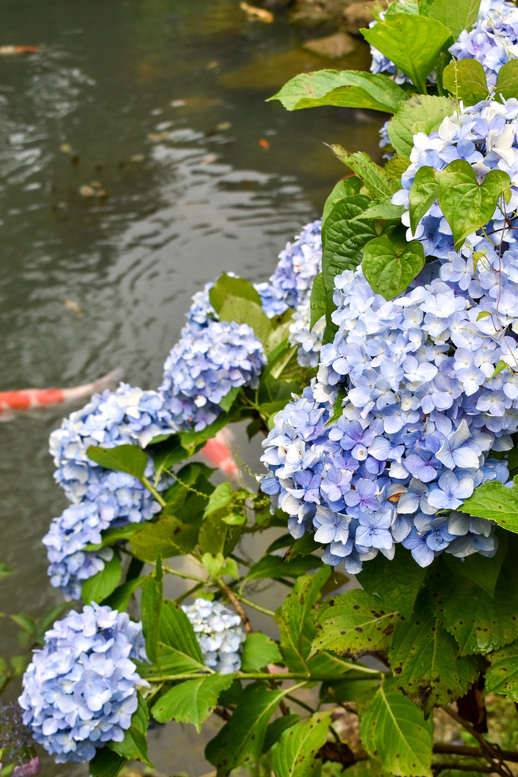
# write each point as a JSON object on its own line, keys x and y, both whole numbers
{"x": 457, "y": 16}
{"x": 502, "y": 676}
{"x": 124, "y": 458}
{"x": 389, "y": 270}
{"x": 412, "y": 42}
{"x": 420, "y": 113}
{"x": 258, "y": 651}
{"x": 294, "y": 754}
{"x": 191, "y": 701}
{"x": 492, "y": 500}
{"x": 394, "y": 585}
{"x": 374, "y": 177}
{"x": 101, "y": 585}
{"x": 343, "y": 88}
{"x": 394, "y": 731}
{"x": 506, "y": 85}
{"x": 466, "y": 80}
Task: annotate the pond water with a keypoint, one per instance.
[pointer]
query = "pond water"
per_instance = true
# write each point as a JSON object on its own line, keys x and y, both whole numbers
{"x": 138, "y": 159}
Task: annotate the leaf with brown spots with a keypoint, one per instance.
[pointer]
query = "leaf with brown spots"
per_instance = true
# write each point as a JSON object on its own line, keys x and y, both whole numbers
{"x": 503, "y": 675}
{"x": 294, "y": 754}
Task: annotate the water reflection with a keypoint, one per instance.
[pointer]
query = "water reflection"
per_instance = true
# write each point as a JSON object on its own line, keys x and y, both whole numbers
{"x": 149, "y": 109}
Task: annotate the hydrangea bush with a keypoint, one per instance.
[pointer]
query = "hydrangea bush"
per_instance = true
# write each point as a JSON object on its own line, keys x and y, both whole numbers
{"x": 378, "y": 365}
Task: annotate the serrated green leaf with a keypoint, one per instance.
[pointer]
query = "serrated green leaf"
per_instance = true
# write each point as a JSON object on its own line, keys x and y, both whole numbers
{"x": 422, "y": 195}
{"x": 123, "y": 458}
{"x": 393, "y": 730}
{"x": 412, "y": 42}
{"x": 394, "y": 584}
{"x": 275, "y": 729}
{"x": 240, "y": 741}
{"x": 389, "y": 272}
{"x": 151, "y": 607}
{"x": 466, "y": 80}
{"x": 495, "y": 502}
{"x": 101, "y": 585}
{"x": 166, "y": 453}
{"x": 354, "y": 624}
{"x": 426, "y": 663}
{"x": 457, "y": 16}
{"x": 245, "y": 311}
{"x": 106, "y": 763}
{"x": 274, "y": 567}
{"x": 484, "y": 575}
{"x": 294, "y": 754}
{"x": 502, "y": 676}
{"x": 343, "y": 88}
{"x": 507, "y": 80}
{"x": 258, "y": 651}
{"x": 346, "y": 187}
{"x": 317, "y": 302}
{"x": 219, "y": 566}
{"x": 134, "y": 744}
{"x": 121, "y": 597}
{"x": 294, "y": 618}
{"x": 374, "y": 177}
{"x": 168, "y": 537}
{"x": 383, "y": 210}
{"x": 468, "y": 206}
{"x": 420, "y": 113}
{"x": 219, "y": 498}
{"x": 228, "y": 286}
{"x": 191, "y": 701}
{"x": 177, "y": 643}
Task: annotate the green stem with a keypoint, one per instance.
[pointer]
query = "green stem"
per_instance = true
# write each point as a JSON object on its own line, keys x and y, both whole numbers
{"x": 300, "y": 703}
{"x": 305, "y": 678}
{"x": 255, "y": 606}
{"x": 150, "y": 487}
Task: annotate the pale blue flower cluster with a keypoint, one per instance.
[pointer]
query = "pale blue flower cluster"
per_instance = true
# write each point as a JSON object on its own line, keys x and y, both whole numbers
{"x": 492, "y": 41}
{"x": 80, "y": 690}
{"x": 101, "y": 498}
{"x": 204, "y": 367}
{"x": 308, "y": 340}
{"x": 219, "y": 633}
{"x": 483, "y": 135}
{"x": 422, "y": 409}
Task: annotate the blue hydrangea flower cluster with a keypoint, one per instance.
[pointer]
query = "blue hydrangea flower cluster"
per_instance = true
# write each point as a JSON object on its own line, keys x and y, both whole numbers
{"x": 116, "y": 499}
{"x": 219, "y": 633}
{"x": 80, "y": 690}
{"x": 308, "y": 340}
{"x": 101, "y": 498}
{"x": 492, "y": 41}
{"x": 204, "y": 366}
{"x": 483, "y": 135}
{"x": 422, "y": 410}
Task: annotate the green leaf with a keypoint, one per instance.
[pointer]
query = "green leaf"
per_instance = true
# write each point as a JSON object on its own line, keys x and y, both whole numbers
{"x": 240, "y": 741}
{"x": 219, "y": 566}
{"x": 295, "y": 753}
{"x": 167, "y": 453}
{"x": 383, "y": 210}
{"x": 191, "y": 701}
{"x": 374, "y": 177}
{"x": 394, "y": 584}
{"x": 422, "y": 195}
{"x": 227, "y": 286}
{"x": 106, "y": 763}
{"x": 466, "y": 80}
{"x": 507, "y": 80}
{"x": 458, "y": 16}
{"x": 388, "y": 271}
{"x": 502, "y": 677}
{"x": 354, "y": 624}
{"x": 151, "y": 607}
{"x": 168, "y": 537}
{"x": 294, "y": 618}
{"x": 467, "y": 205}
{"x": 124, "y": 458}
{"x": 134, "y": 744}
{"x": 4, "y": 570}
{"x": 177, "y": 643}
{"x": 245, "y": 311}
{"x": 393, "y": 730}
{"x": 274, "y": 567}
{"x": 317, "y": 302}
{"x": 219, "y": 498}
{"x": 346, "y": 187}
{"x": 485, "y": 574}
{"x": 343, "y": 88}
{"x": 121, "y": 597}
{"x": 421, "y": 113}
{"x": 425, "y": 660}
{"x": 101, "y": 585}
{"x": 275, "y": 729}
{"x": 493, "y": 501}
{"x": 258, "y": 651}
{"x": 413, "y": 43}
{"x": 478, "y": 622}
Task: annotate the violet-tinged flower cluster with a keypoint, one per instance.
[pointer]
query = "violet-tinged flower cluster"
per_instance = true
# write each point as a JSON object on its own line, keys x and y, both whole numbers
{"x": 116, "y": 499}
{"x": 422, "y": 410}
{"x": 80, "y": 690}
{"x": 483, "y": 135}
{"x": 204, "y": 366}
{"x": 492, "y": 41}
{"x": 101, "y": 498}
{"x": 219, "y": 633}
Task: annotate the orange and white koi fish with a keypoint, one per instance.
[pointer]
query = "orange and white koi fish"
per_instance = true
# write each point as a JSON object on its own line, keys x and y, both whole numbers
{"x": 12, "y": 402}
{"x": 18, "y": 49}
{"x": 216, "y": 451}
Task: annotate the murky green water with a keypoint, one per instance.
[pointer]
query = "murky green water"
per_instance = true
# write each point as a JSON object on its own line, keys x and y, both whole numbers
{"x": 156, "y": 109}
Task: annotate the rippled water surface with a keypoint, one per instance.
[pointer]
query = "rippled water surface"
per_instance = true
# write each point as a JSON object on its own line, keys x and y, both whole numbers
{"x": 132, "y": 172}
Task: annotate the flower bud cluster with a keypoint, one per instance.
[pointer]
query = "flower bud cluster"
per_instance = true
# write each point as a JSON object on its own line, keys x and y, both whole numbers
{"x": 80, "y": 690}
{"x": 484, "y": 136}
{"x": 422, "y": 409}
{"x": 219, "y": 633}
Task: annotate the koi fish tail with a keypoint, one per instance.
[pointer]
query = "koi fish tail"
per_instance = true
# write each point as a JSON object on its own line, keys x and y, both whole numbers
{"x": 85, "y": 390}
{"x": 216, "y": 451}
